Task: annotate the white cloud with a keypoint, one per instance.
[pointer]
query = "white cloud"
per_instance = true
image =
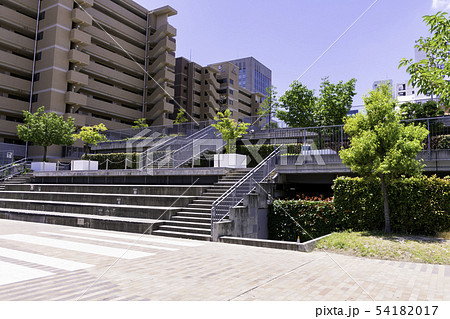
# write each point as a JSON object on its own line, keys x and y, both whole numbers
{"x": 441, "y": 4}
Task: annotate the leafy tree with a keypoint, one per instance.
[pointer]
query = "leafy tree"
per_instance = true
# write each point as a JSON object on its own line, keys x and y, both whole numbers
{"x": 270, "y": 104}
{"x": 46, "y": 129}
{"x": 334, "y": 102}
{"x": 90, "y": 135}
{"x": 140, "y": 123}
{"x": 299, "y": 103}
{"x": 230, "y": 129}
{"x": 381, "y": 146}
{"x": 412, "y": 111}
{"x": 181, "y": 117}
{"x": 431, "y": 75}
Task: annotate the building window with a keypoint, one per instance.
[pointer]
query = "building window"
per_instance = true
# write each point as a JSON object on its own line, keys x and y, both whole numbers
{"x": 40, "y": 35}
{"x": 231, "y": 91}
{"x": 38, "y": 56}
{"x": 37, "y": 76}
{"x": 231, "y": 102}
{"x": 231, "y": 81}
{"x": 34, "y": 98}
{"x": 41, "y": 16}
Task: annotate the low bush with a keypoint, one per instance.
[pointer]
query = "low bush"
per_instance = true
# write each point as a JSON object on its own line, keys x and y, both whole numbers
{"x": 115, "y": 160}
{"x": 264, "y": 150}
{"x": 289, "y": 219}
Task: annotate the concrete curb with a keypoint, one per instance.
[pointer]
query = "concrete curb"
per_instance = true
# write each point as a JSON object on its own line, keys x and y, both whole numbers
{"x": 286, "y": 245}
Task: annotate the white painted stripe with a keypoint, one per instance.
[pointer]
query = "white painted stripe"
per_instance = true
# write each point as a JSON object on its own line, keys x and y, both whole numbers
{"x": 51, "y": 68}
{"x": 146, "y": 238}
{"x": 50, "y": 90}
{"x": 56, "y": 5}
{"x": 110, "y": 241}
{"x": 43, "y": 260}
{"x": 53, "y": 26}
{"x": 52, "y": 47}
{"x": 11, "y": 273}
{"x": 84, "y": 248}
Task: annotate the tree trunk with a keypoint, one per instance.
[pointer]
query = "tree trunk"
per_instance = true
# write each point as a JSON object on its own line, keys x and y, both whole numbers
{"x": 45, "y": 153}
{"x": 387, "y": 220}
{"x": 86, "y": 149}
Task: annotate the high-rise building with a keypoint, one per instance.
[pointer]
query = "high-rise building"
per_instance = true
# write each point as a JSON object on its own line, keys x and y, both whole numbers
{"x": 203, "y": 91}
{"x": 253, "y": 75}
{"x": 86, "y": 59}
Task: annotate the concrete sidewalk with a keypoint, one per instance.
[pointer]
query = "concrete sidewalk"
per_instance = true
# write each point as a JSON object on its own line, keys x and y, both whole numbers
{"x": 48, "y": 262}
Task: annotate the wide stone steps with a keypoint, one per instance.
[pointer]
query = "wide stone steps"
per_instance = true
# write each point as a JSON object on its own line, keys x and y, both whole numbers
{"x": 190, "y": 230}
{"x": 133, "y": 225}
{"x": 190, "y": 219}
{"x": 192, "y": 215}
{"x": 113, "y": 199}
{"x": 178, "y": 234}
{"x": 129, "y": 211}
{"x": 200, "y": 206}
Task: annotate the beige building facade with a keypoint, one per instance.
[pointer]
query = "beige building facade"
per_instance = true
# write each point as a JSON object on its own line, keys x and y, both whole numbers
{"x": 98, "y": 61}
{"x": 203, "y": 91}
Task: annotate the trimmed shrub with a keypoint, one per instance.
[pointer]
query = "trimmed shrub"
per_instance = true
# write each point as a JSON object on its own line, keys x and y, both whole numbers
{"x": 444, "y": 142}
{"x": 264, "y": 150}
{"x": 418, "y": 205}
{"x": 289, "y": 219}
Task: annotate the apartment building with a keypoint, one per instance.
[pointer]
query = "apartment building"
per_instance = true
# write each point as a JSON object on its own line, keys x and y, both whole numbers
{"x": 253, "y": 75}
{"x": 203, "y": 91}
{"x": 98, "y": 61}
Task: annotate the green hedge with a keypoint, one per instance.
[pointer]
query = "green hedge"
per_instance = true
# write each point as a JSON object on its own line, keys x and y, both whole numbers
{"x": 308, "y": 219}
{"x": 264, "y": 150}
{"x": 444, "y": 142}
{"x": 418, "y": 205}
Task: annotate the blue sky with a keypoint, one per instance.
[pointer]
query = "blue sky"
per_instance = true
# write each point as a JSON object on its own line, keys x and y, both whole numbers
{"x": 288, "y": 35}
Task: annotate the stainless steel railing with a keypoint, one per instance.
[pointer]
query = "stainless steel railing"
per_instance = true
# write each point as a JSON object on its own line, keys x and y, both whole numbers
{"x": 233, "y": 196}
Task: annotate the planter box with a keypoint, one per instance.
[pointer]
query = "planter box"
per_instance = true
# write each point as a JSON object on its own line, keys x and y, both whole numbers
{"x": 230, "y": 160}
{"x": 43, "y": 167}
{"x": 82, "y": 165}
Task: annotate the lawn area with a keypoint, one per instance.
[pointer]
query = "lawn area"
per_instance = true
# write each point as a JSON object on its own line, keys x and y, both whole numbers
{"x": 393, "y": 247}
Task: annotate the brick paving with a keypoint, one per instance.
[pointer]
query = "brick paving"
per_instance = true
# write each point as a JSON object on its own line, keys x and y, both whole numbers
{"x": 209, "y": 271}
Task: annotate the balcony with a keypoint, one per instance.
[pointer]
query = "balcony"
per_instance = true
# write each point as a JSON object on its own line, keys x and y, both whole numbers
{"x": 159, "y": 108}
{"x": 211, "y": 79}
{"x": 161, "y": 32}
{"x": 81, "y": 17}
{"x": 86, "y": 3}
{"x": 163, "y": 45}
{"x": 159, "y": 93}
{"x": 73, "y": 98}
{"x": 79, "y": 57}
{"x": 77, "y": 78}
{"x": 161, "y": 77}
{"x": 79, "y": 37}
{"x": 162, "y": 61}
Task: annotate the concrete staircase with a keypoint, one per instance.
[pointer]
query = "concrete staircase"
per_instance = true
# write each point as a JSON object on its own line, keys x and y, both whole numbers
{"x": 131, "y": 208}
{"x": 19, "y": 179}
{"x": 194, "y": 220}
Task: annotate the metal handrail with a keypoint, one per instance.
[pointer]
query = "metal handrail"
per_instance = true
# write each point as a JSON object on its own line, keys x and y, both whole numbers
{"x": 247, "y": 180}
{"x": 10, "y": 170}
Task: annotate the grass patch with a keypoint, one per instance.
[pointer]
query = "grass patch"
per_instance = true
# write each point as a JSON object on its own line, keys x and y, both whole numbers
{"x": 392, "y": 247}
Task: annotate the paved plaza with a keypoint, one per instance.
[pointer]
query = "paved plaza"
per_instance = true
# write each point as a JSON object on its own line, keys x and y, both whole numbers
{"x": 50, "y": 262}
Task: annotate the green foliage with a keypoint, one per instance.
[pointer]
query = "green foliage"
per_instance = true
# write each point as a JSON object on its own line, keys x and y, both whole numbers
{"x": 264, "y": 150}
{"x": 46, "y": 129}
{"x": 289, "y": 219}
{"x": 303, "y": 109}
{"x": 230, "y": 129}
{"x": 115, "y": 160}
{"x": 140, "y": 123}
{"x": 90, "y": 135}
{"x": 270, "y": 104}
{"x": 444, "y": 142}
{"x": 419, "y": 205}
{"x": 299, "y": 104}
{"x": 412, "y": 111}
{"x": 181, "y": 117}
{"x": 380, "y": 144}
{"x": 429, "y": 75}
{"x": 334, "y": 102}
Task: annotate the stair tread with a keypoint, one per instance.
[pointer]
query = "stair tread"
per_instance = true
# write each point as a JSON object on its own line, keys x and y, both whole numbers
{"x": 77, "y": 215}
{"x": 162, "y": 227}
{"x": 162, "y": 232}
